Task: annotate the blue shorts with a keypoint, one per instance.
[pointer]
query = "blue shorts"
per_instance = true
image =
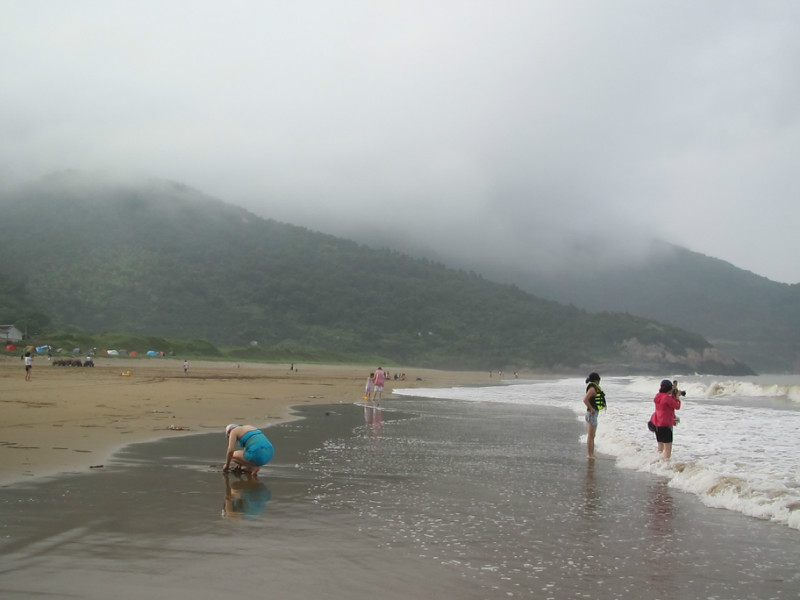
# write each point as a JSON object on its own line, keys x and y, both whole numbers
{"x": 591, "y": 418}
{"x": 259, "y": 455}
{"x": 258, "y": 449}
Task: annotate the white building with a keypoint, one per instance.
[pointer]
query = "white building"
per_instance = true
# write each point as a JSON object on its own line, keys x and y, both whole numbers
{"x": 9, "y": 333}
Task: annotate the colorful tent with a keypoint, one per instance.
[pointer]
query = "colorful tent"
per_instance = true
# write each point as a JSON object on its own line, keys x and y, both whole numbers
{"x": 11, "y": 348}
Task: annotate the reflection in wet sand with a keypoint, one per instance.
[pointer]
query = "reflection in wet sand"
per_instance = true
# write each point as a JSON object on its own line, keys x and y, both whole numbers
{"x": 246, "y": 496}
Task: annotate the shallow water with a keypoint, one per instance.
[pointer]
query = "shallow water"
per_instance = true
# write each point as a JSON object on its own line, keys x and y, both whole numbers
{"x": 505, "y": 494}
{"x": 735, "y": 447}
{"x": 437, "y": 499}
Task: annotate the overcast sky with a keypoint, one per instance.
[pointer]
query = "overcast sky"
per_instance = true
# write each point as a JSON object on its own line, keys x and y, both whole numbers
{"x": 502, "y": 127}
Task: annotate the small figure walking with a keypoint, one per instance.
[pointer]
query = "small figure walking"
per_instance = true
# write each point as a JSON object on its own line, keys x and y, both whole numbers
{"x": 368, "y": 388}
{"x": 185, "y": 367}
{"x": 28, "y": 366}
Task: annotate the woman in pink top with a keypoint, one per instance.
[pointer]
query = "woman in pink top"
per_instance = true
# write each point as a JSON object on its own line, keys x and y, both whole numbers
{"x": 377, "y": 388}
{"x": 664, "y": 417}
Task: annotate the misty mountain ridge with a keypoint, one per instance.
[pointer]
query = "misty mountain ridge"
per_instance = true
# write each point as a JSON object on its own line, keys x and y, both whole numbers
{"x": 159, "y": 257}
{"x": 746, "y": 315}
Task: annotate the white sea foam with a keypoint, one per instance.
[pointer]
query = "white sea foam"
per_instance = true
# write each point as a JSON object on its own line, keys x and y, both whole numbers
{"x": 735, "y": 447}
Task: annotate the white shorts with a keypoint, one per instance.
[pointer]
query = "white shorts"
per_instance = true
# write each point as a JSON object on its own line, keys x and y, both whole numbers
{"x": 378, "y": 388}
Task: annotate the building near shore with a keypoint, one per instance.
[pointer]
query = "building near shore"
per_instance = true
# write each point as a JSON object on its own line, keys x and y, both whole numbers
{"x": 9, "y": 333}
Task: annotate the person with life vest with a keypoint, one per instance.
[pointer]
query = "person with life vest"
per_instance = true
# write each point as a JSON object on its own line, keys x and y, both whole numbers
{"x": 595, "y": 401}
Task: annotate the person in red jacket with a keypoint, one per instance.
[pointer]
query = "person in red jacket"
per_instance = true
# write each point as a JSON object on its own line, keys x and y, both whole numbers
{"x": 664, "y": 418}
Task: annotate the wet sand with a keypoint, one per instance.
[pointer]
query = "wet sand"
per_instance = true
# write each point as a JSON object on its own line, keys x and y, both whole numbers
{"x": 162, "y": 520}
{"x": 427, "y": 499}
{"x": 69, "y": 419}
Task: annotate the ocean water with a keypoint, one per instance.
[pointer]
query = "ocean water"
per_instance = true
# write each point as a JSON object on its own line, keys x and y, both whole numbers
{"x": 736, "y": 446}
{"x": 428, "y": 498}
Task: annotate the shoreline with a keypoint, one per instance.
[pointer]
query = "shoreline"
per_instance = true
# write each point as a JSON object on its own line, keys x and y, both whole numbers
{"x": 71, "y": 419}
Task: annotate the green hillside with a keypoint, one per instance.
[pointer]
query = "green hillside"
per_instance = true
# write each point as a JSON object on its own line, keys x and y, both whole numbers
{"x": 746, "y": 315}
{"x": 158, "y": 258}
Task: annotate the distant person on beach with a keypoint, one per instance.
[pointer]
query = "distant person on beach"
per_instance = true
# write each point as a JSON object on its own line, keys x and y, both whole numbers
{"x": 28, "y": 366}
{"x": 663, "y": 419}
{"x": 595, "y": 401}
{"x": 185, "y": 366}
{"x": 380, "y": 380}
{"x": 254, "y": 449}
{"x": 369, "y": 386}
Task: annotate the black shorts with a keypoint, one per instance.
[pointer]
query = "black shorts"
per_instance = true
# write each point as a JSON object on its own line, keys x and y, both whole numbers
{"x": 27, "y": 367}
{"x": 664, "y": 435}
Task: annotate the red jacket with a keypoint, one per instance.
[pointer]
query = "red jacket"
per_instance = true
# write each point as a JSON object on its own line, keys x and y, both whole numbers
{"x": 666, "y": 406}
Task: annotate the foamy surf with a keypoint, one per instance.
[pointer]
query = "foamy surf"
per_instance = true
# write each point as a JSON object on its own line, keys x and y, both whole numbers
{"x": 734, "y": 447}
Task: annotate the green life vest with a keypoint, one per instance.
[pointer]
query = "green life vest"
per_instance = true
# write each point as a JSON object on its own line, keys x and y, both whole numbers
{"x": 599, "y": 400}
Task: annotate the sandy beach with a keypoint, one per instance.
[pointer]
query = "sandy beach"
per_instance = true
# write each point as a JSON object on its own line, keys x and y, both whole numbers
{"x": 424, "y": 498}
{"x": 70, "y": 419}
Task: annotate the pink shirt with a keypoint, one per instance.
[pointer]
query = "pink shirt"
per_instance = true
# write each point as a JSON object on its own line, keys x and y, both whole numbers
{"x": 380, "y": 377}
{"x": 666, "y": 406}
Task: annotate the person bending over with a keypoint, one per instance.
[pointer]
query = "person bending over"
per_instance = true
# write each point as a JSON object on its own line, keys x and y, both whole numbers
{"x": 248, "y": 447}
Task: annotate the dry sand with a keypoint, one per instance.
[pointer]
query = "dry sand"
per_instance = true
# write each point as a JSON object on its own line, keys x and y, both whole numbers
{"x": 70, "y": 419}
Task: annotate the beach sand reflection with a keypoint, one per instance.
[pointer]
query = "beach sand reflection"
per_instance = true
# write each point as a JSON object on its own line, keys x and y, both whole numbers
{"x": 246, "y": 497}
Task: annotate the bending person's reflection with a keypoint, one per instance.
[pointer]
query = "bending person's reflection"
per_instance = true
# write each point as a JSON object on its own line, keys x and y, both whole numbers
{"x": 245, "y": 497}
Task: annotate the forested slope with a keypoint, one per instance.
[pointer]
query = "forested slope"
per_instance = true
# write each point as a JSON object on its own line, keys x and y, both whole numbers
{"x": 160, "y": 258}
